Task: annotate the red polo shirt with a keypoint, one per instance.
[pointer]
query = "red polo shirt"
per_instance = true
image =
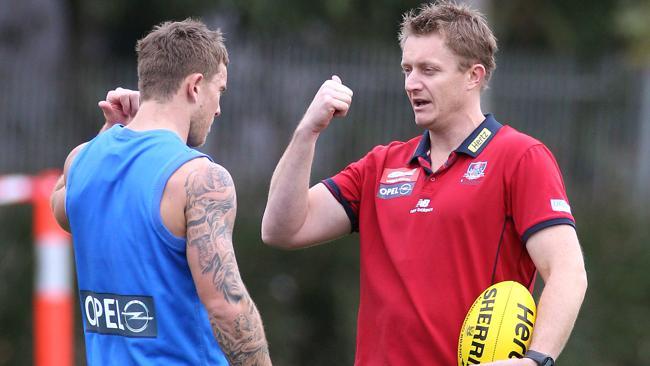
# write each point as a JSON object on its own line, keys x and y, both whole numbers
{"x": 431, "y": 242}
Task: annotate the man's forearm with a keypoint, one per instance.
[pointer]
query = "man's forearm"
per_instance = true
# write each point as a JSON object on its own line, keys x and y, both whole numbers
{"x": 558, "y": 309}
{"x": 241, "y": 335}
{"x": 287, "y": 204}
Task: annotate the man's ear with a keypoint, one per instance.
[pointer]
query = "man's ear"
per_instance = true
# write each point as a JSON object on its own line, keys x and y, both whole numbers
{"x": 192, "y": 85}
{"x": 475, "y": 76}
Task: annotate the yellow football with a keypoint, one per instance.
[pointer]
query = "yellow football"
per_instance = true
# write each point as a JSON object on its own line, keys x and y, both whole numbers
{"x": 498, "y": 326}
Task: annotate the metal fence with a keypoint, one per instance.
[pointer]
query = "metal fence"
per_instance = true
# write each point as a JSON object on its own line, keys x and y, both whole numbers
{"x": 587, "y": 113}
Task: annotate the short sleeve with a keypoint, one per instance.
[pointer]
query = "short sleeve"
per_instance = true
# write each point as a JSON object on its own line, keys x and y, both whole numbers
{"x": 346, "y": 187}
{"x": 538, "y": 195}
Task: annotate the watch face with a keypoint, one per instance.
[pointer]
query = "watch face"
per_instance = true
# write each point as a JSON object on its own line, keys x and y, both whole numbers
{"x": 548, "y": 362}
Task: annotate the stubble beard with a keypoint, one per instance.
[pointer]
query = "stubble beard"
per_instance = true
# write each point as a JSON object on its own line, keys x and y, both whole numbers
{"x": 198, "y": 133}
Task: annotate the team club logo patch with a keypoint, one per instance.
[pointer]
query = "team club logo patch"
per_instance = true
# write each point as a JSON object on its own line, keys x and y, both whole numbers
{"x": 130, "y": 316}
{"x": 388, "y": 191}
{"x": 475, "y": 171}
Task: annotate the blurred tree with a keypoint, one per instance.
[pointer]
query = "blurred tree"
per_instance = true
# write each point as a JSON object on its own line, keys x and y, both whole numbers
{"x": 101, "y": 28}
{"x": 338, "y": 20}
{"x": 586, "y": 29}
{"x": 633, "y": 24}
{"x": 111, "y": 27}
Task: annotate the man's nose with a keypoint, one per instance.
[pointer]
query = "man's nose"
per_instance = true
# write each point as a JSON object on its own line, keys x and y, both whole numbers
{"x": 412, "y": 82}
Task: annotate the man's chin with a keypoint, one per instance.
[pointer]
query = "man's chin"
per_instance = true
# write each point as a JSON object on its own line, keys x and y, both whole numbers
{"x": 195, "y": 144}
{"x": 423, "y": 123}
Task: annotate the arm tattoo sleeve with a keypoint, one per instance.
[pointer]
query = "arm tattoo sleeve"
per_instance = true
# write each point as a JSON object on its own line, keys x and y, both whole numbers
{"x": 210, "y": 214}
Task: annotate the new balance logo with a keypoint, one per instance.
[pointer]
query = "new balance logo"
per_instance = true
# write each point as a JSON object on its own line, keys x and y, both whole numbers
{"x": 422, "y": 206}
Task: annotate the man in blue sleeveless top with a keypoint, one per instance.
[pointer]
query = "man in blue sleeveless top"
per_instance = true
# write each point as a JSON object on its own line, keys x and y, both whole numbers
{"x": 152, "y": 218}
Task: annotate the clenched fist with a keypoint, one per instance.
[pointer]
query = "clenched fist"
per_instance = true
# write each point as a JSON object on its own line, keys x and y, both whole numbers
{"x": 333, "y": 99}
{"x": 120, "y": 106}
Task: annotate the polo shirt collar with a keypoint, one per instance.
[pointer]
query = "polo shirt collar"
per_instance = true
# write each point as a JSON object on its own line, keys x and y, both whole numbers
{"x": 480, "y": 137}
{"x": 472, "y": 146}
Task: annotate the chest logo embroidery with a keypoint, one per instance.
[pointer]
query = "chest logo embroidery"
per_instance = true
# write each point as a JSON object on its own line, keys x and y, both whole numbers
{"x": 475, "y": 171}
{"x": 388, "y": 191}
{"x": 392, "y": 176}
{"x": 398, "y": 182}
{"x": 422, "y": 206}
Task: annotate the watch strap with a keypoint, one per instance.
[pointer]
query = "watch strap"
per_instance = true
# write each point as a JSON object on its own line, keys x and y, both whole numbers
{"x": 540, "y": 358}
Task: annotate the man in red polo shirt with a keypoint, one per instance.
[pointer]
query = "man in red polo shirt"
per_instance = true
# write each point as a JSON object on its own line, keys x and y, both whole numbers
{"x": 440, "y": 217}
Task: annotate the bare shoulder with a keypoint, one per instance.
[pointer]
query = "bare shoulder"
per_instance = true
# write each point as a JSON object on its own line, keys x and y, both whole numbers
{"x": 197, "y": 178}
{"x": 71, "y": 156}
{"x": 204, "y": 176}
{"x": 207, "y": 187}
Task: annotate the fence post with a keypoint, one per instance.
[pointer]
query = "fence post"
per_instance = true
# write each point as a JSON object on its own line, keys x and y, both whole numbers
{"x": 53, "y": 301}
{"x": 643, "y": 167}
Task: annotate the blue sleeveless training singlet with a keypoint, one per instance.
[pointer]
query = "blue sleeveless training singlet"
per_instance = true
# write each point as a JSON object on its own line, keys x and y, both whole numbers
{"x": 138, "y": 301}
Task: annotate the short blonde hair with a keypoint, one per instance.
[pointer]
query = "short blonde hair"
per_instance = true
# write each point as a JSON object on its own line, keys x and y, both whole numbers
{"x": 465, "y": 30}
{"x": 174, "y": 50}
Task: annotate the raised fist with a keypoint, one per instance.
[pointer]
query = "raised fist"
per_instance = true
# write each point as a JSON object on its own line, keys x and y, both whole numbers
{"x": 120, "y": 106}
{"x": 333, "y": 99}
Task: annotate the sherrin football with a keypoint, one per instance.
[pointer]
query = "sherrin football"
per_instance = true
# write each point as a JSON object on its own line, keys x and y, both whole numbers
{"x": 498, "y": 326}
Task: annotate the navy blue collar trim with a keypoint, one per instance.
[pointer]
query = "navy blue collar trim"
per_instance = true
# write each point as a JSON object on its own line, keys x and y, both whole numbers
{"x": 423, "y": 148}
{"x": 473, "y": 144}
{"x": 480, "y": 138}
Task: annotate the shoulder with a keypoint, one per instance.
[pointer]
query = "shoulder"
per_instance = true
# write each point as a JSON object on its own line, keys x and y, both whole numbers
{"x": 71, "y": 157}
{"x": 516, "y": 137}
{"x": 515, "y": 143}
{"x": 198, "y": 184}
{"x": 201, "y": 176}
{"x": 520, "y": 150}
{"x": 83, "y": 148}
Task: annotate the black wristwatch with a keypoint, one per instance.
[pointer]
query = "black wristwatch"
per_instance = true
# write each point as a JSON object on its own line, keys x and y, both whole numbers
{"x": 540, "y": 358}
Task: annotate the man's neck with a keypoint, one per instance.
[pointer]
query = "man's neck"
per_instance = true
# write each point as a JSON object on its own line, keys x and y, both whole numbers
{"x": 153, "y": 115}
{"x": 454, "y": 131}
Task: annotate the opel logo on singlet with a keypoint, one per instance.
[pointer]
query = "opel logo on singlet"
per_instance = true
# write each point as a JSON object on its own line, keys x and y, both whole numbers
{"x": 125, "y": 315}
{"x": 136, "y": 316}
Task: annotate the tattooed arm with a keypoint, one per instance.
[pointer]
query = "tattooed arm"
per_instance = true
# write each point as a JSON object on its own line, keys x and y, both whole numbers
{"x": 210, "y": 216}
